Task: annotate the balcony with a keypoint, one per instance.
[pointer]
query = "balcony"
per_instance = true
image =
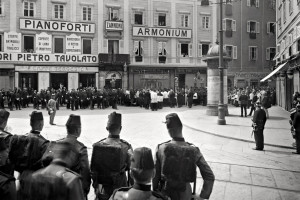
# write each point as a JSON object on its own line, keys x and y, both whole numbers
{"x": 113, "y": 59}
{"x": 228, "y": 33}
{"x": 228, "y": 9}
{"x": 138, "y": 58}
{"x": 162, "y": 59}
{"x": 205, "y": 3}
{"x": 252, "y": 35}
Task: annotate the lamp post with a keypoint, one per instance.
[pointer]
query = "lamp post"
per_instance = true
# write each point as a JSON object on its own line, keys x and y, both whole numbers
{"x": 221, "y": 113}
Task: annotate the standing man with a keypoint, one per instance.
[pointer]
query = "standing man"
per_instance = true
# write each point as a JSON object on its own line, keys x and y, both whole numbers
{"x": 142, "y": 171}
{"x": 52, "y": 109}
{"x": 175, "y": 163}
{"x": 259, "y": 121}
{"x": 253, "y": 99}
{"x": 244, "y": 101}
{"x": 296, "y": 124}
{"x": 110, "y": 160}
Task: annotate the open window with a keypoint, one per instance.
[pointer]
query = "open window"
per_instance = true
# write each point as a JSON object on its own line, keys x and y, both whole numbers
{"x": 138, "y": 51}
{"x": 28, "y": 42}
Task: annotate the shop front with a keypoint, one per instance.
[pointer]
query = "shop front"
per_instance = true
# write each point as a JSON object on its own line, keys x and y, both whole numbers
{"x": 250, "y": 79}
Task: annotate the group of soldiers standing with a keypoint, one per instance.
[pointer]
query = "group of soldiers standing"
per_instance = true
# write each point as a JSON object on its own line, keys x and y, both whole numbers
{"x": 34, "y": 168}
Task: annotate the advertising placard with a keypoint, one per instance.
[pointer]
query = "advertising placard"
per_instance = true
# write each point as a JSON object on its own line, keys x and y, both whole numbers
{"x": 73, "y": 44}
{"x": 12, "y": 42}
{"x": 43, "y": 43}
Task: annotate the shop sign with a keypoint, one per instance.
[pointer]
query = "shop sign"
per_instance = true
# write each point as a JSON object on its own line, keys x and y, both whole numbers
{"x": 73, "y": 44}
{"x": 43, "y": 43}
{"x": 35, "y": 57}
{"x": 12, "y": 42}
{"x": 114, "y": 25}
{"x": 250, "y": 75}
{"x": 55, "y": 69}
{"x": 162, "y": 32}
{"x": 62, "y": 26}
{"x": 155, "y": 76}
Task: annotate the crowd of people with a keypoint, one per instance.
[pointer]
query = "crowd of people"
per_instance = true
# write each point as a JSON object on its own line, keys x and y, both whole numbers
{"x": 93, "y": 98}
{"x": 33, "y": 168}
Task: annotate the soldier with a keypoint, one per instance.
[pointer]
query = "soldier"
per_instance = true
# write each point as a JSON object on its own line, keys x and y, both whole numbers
{"x": 175, "y": 164}
{"x": 259, "y": 121}
{"x": 81, "y": 165}
{"x": 52, "y": 109}
{"x": 26, "y": 151}
{"x": 142, "y": 171}
{"x": 18, "y": 99}
{"x": 1, "y": 100}
{"x": 296, "y": 124}
{"x": 110, "y": 160}
{"x": 56, "y": 181}
{"x": 190, "y": 95}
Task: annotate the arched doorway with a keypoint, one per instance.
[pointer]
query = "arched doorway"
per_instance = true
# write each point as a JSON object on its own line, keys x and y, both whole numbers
{"x": 113, "y": 80}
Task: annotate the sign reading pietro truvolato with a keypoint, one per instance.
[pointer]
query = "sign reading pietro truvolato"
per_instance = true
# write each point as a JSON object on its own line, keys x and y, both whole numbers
{"x": 162, "y": 32}
{"x": 47, "y": 25}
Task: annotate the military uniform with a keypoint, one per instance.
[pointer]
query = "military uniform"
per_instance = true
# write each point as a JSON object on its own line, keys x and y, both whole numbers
{"x": 259, "y": 120}
{"x": 296, "y": 124}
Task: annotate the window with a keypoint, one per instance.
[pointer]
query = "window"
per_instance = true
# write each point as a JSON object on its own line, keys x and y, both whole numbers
{"x": 184, "y": 20}
{"x": 229, "y": 25}
{"x": 203, "y": 49}
{"x": 58, "y": 11}
{"x": 58, "y": 45}
{"x": 272, "y": 4}
{"x": 228, "y": 1}
{"x": 252, "y": 27}
{"x": 113, "y": 14}
{"x": 253, "y": 3}
{"x": 28, "y": 43}
{"x": 161, "y": 19}
{"x": 138, "y": 50}
{"x": 86, "y": 46}
{"x": 184, "y": 50}
{"x": 162, "y": 52}
{"x": 28, "y": 9}
{"x": 252, "y": 53}
{"x": 279, "y": 24}
{"x": 231, "y": 51}
{"x": 113, "y": 46}
{"x": 298, "y": 45}
{"x": 138, "y": 17}
{"x": 205, "y": 22}
{"x": 86, "y": 13}
{"x": 271, "y": 27}
{"x": 290, "y": 7}
{"x": 270, "y": 53}
{"x": 284, "y": 11}
{"x": 1, "y": 42}
{"x": 1, "y": 8}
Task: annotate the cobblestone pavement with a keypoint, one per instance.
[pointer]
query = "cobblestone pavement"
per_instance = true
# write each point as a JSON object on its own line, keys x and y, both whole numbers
{"x": 241, "y": 173}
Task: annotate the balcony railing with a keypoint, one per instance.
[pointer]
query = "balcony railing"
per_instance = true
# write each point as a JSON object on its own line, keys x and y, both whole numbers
{"x": 114, "y": 59}
{"x": 228, "y": 33}
{"x": 252, "y": 35}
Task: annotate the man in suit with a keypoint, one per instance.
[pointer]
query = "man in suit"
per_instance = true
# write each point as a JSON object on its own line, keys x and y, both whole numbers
{"x": 52, "y": 109}
{"x": 175, "y": 164}
{"x": 142, "y": 171}
{"x": 296, "y": 124}
{"x": 259, "y": 121}
{"x": 110, "y": 160}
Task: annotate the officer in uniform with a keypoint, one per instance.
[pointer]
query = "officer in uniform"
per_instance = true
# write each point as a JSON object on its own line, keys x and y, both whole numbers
{"x": 173, "y": 176}
{"x": 81, "y": 165}
{"x": 296, "y": 124}
{"x": 259, "y": 121}
{"x": 142, "y": 171}
{"x": 56, "y": 181}
{"x": 110, "y": 160}
{"x": 26, "y": 151}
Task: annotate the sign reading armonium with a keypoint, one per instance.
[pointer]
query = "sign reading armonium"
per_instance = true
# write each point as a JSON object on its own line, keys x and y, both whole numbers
{"x": 162, "y": 32}
{"x": 12, "y": 42}
{"x": 73, "y": 44}
{"x": 47, "y": 25}
{"x": 113, "y": 25}
{"x": 43, "y": 43}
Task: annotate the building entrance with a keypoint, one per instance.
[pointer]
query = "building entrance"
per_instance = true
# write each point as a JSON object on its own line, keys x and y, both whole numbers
{"x": 58, "y": 80}
{"x": 28, "y": 80}
{"x": 87, "y": 80}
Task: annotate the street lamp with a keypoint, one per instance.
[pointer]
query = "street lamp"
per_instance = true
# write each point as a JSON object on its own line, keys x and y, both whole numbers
{"x": 221, "y": 109}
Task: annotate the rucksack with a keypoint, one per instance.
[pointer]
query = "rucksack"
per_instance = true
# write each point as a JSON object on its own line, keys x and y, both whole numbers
{"x": 179, "y": 164}
{"x": 107, "y": 162}
{"x": 25, "y": 153}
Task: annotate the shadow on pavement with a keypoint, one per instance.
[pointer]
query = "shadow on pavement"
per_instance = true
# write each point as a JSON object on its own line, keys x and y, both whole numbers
{"x": 279, "y": 152}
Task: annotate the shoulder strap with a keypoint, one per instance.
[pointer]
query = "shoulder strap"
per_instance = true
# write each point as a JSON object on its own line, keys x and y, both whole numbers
{"x": 163, "y": 143}
{"x": 159, "y": 195}
{"x": 124, "y": 141}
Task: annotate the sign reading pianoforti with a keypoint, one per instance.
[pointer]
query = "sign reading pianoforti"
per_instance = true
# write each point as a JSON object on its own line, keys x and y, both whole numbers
{"x": 47, "y": 25}
{"x": 162, "y": 32}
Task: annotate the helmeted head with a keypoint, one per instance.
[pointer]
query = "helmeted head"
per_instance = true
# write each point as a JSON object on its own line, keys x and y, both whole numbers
{"x": 4, "y": 114}
{"x": 114, "y": 123}
{"x": 74, "y": 125}
{"x": 142, "y": 165}
{"x": 36, "y": 121}
{"x": 174, "y": 125}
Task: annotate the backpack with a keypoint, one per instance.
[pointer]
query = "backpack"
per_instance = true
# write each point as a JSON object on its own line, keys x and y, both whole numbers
{"x": 25, "y": 153}
{"x": 107, "y": 163}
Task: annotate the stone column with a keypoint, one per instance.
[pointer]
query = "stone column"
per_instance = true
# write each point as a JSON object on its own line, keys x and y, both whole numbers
{"x": 43, "y": 80}
{"x": 125, "y": 80}
{"x": 101, "y": 79}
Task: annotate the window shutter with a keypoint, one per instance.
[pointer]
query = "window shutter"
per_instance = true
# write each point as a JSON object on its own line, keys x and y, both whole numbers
{"x": 199, "y": 50}
{"x": 190, "y": 50}
{"x": 179, "y": 49}
{"x": 268, "y": 28}
{"x": 234, "y": 52}
{"x": 267, "y": 53}
{"x": 109, "y": 13}
{"x": 182, "y": 21}
{"x": 135, "y": 46}
{"x": 190, "y": 21}
{"x": 248, "y": 26}
{"x": 105, "y": 46}
{"x": 298, "y": 31}
{"x": 294, "y": 48}
{"x": 257, "y": 27}
{"x": 142, "y": 48}
{"x": 168, "y": 19}
{"x": 121, "y": 46}
{"x": 155, "y": 19}
{"x": 144, "y": 17}
{"x": 248, "y": 2}
{"x": 249, "y": 53}
{"x": 257, "y": 3}
{"x": 224, "y": 24}
{"x": 160, "y": 46}
{"x": 133, "y": 17}
{"x": 233, "y": 25}
{"x": 164, "y": 46}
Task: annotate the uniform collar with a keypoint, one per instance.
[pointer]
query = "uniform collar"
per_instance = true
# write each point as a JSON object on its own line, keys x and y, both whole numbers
{"x": 35, "y": 132}
{"x": 114, "y": 136}
{"x": 178, "y": 139}
{"x": 59, "y": 162}
{"x": 142, "y": 187}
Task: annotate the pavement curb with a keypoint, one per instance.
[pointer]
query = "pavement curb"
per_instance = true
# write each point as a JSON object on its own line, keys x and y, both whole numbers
{"x": 238, "y": 139}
